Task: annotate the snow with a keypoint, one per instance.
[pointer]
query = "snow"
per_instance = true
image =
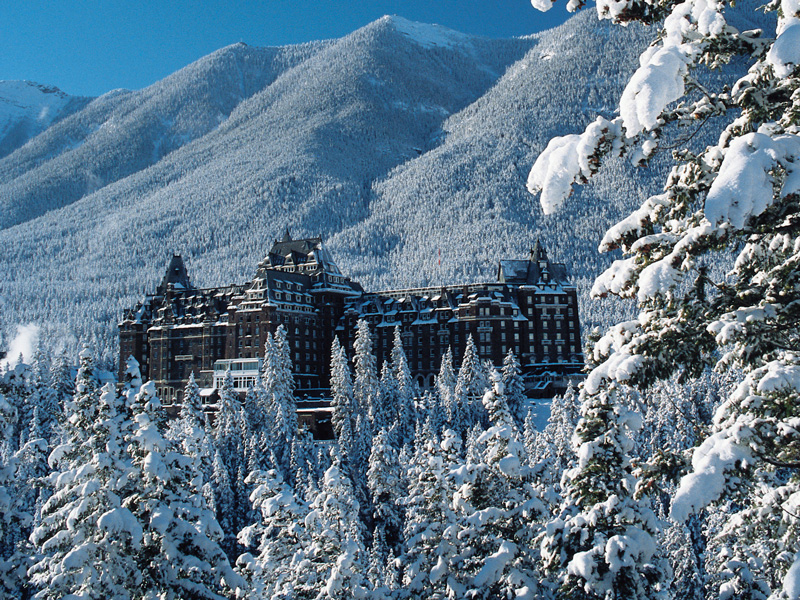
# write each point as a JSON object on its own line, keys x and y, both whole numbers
{"x": 658, "y": 277}
{"x": 791, "y": 583}
{"x": 493, "y": 565}
{"x": 657, "y": 83}
{"x": 784, "y": 55}
{"x": 428, "y": 36}
{"x": 555, "y": 171}
{"x": 716, "y": 455}
{"x": 744, "y": 186}
{"x": 779, "y": 376}
{"x": 543, "y": 6}
{"x": 28, "y": 100}
{"x": 567, "y": 160}
{"x": 615, "y": 279}
{"x": 121, "y": 520}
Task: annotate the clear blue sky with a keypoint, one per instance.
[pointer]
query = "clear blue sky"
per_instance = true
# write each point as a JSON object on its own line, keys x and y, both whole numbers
{"x": 88, "y": 47}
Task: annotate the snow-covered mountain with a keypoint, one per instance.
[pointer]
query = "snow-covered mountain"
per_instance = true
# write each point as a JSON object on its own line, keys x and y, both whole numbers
{"x": 394, "y": 143}
{"x": 28, "y": 108}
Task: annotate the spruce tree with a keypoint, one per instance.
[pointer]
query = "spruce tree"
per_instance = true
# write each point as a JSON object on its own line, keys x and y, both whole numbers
{"x": 431, "y": 528}
{"x": 446, "y": 387}
{"x": 736, "y": 199}
{"x": 469, "y": 389}
{"x": 344, "y": 410}
{"x": 366, "y": 384}
{"x": 279, "y": 537}
{"x": 87, "y": 541}
{"x": 180, "y": 554}
{"x": 334, "y": 563}
{"x": 602, "y": 542}
{"x": 384, "y": 481}
{"x": 497, "y": 556}
{"x": 404, "y": 390}
{"x": 282, "y": 386}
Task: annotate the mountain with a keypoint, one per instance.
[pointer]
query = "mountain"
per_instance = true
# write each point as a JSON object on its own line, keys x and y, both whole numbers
{"x": 28, "y": 108}
{"x": 395, "y": 143}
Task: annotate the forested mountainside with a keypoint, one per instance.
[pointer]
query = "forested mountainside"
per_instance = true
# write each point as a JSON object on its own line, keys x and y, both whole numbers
{"x": 393, "y": 143}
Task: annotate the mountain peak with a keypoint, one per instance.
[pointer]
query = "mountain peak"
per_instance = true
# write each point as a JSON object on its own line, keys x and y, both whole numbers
{"x": 425, "y": 34}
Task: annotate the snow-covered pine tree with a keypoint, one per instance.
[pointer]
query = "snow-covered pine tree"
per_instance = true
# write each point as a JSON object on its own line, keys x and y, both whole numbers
{"x": 389, "y": 395}
{"x": 189, "y": 430}
{"x": 344, "y": 410}
{"x": 16, "y": 386}
{"x": 446, "y": 388}
{"x": 180, "y": 555}
{"x": 12, "y": 571}
{"x": 737, "y": 197}
{"x": 282, "y": 386}
{"x": 499, "y": 512}
{"x": 366, "y": 384}
{"x": 514, "y": 388}
{"x": 279, "y": 538}
{"x": 470, "y": 386}
{"x": 29, "y": 465}
{"x": 87, "y": 541}
{"x": 230, "y": 431}
{"x": 553, "y": 451}
{"x": 384, "y": 481}
{"x": 333, "y": 566}
{"x": 602, "y": 542}
{"x": 431, "y": 526}
{"x": 404, "y": 391}
{"x": 44, "y": 397}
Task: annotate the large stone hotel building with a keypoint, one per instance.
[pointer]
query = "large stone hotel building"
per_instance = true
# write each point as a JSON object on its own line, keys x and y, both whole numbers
{"x": 531, "y": 309}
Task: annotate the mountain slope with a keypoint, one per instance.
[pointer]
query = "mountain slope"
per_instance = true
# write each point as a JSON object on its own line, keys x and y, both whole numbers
{"x": 394, "y": 142}
{"x": 124, "y": 132}
{"x": 27, "y": 109}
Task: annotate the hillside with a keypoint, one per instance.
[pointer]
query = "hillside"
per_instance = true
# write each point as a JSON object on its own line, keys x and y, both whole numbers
{"x": 394, "y": 142}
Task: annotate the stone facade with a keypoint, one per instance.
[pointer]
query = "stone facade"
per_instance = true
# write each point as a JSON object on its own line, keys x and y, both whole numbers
{"x": 531, "y": 309}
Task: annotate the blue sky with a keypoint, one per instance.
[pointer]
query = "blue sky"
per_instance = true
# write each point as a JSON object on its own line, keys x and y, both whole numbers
{"x": 88, "y": 47}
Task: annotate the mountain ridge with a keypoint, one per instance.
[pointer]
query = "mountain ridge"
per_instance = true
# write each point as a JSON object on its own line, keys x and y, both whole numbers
{"x": 389, "y": 149}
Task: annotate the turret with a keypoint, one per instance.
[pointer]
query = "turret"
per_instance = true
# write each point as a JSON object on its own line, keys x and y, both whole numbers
{"x": 175, "y": 276}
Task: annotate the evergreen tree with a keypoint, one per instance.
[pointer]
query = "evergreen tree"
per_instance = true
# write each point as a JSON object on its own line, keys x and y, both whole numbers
{"x": 180, "y": 555}
{"x": 333, "y": 567}
{"x": 366, "y": 385}
{"x": 737, "y": 197}
{"x": 404, "y": 390}
{"x": 44, "y": 398}
{"x": 554, "y": 452}
{"x": 446, "y": 387}
{"x": 430, "y": 529}
{"x": 602, "y": 542}
{"x": 230, "y": 433}
{"x": 279, "y": 537}
{"x": 87, "y": 540}
{"x": 470, "y": 386}
{"x": 344, "y": 410}
{"x": 514, "y": 388}
{"x": 281, "y": 386}
{"x": 496, "y": 555}
{"x": 12, "y": 516}
{"x": 384, "y": 481}
{"x": 189, "y": 430}
{"x": 388, "y": 393}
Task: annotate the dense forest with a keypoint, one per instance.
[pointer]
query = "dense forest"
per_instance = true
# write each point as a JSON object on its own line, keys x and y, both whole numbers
{"x": 446, "y": 494}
